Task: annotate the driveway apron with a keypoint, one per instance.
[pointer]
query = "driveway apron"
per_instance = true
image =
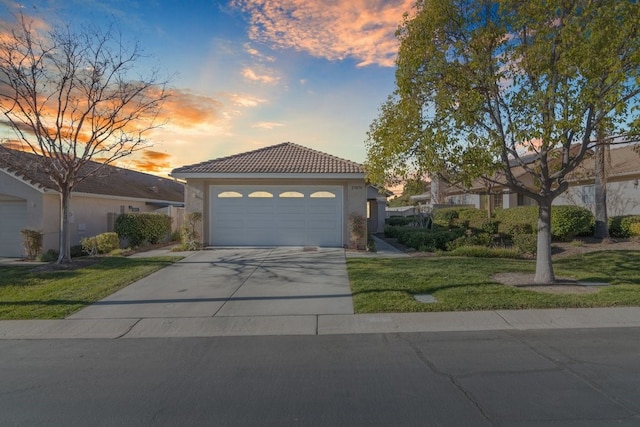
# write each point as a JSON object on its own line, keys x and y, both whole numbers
{"x": 225, "y": 282}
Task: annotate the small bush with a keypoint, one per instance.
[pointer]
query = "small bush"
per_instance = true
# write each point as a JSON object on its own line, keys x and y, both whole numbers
{"x": 525, "y": 243}
{"x": 634, "y": 229}
{"x": 427, "y": 240}
{"x": 620, "y": 226}
{"x": 189, "y": 236}
{"x": 473, "y": 218}
{"x": 139, "y": 228}
{"x": 76, "y": 251}
{"x": 484, "y": 252}
{"x": 32, "y": 242}
{"x": 518, "y": 228}
{"x": 568, "y": 222}
{"x": 101, "y": 244}
{"x": 519, "y": 216}
{"x": 49, "y": 256}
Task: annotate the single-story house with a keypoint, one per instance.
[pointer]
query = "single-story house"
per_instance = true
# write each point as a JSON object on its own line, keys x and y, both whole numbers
{"x": 30, "y": 200}
{"x": 285, "y": 194}
{"x": 623, "y": 193}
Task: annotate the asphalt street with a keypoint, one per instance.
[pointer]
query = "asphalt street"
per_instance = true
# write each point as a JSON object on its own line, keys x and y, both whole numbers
{"x": 507, "y": 377}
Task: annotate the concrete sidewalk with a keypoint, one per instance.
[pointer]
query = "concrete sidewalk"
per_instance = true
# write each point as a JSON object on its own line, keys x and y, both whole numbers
{"x": 321, "y": 324}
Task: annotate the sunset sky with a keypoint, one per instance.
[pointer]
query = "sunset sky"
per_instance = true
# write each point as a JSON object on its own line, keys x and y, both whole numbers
{"x": 253, "y": 73}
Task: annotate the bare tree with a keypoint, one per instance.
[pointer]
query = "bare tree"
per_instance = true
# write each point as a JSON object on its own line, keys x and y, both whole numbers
{"x": 73, "y": 96}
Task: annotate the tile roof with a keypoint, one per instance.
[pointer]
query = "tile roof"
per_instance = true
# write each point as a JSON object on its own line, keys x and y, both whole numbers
{"x": 110, "y": 180}
{"x": 282, "y": 158}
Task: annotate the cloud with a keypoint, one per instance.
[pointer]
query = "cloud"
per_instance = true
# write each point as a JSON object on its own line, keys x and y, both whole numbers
{"x": 151, "y": 161}
{"x": 359, "y": 29}
{"x": 184, "y": 108}
{"x": 243, "y": 100}
{"x": 256, "y": 53}
{"x": 267, "y": 125}
{"x": 265, "y": 78}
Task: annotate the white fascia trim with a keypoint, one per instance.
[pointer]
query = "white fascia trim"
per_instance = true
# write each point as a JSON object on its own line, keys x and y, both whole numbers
{"x": 132, "y": 199}
{"x": 195, "y": 175}
{"x": 19, "y": 178}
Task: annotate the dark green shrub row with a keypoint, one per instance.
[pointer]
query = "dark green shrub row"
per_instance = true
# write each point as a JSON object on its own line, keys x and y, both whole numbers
{"x": 567, "y": 222}
{"x": 623, "y": 226}
{"x": 399, "y": 220}
{"x": 422, "y": 239}
{"x": 459, "y": 217}
{"x": 139, "y": 228}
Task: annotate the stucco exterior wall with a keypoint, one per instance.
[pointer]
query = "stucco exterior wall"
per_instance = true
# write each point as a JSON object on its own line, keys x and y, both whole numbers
{"x": 623, "y": 197}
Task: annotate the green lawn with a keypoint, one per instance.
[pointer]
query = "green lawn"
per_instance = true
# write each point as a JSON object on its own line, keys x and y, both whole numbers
{"x": 25, "y": 294}
{"x": 388, "y": 285}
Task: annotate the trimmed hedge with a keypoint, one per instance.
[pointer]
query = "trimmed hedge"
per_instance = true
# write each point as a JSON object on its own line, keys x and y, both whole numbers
{"x": 422, "y": 239}
{"x": 624, "y": 226}
{"x": 399, "y": 220}
{"x": 459, "y": 217}
{"x": 143, "y": 227}
{"x": 567, "y": 222}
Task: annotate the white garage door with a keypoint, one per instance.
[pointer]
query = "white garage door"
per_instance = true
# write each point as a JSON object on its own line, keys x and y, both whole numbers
{"x": 12, "y": 220}
{"x": 276, "y": 215}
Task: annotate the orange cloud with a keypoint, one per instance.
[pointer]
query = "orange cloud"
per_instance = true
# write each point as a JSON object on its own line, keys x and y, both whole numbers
{"x": 360, "y": 29}
{"x": 184, "y": 109}
{"x": 265, "y": 78}
{"x": 152, "y": 161}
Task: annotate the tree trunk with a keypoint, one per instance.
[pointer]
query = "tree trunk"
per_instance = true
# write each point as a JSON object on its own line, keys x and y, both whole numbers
{"x": 64, "y": 255}
{"x": 544, "y": 267}
{"x": 600, "y": 183}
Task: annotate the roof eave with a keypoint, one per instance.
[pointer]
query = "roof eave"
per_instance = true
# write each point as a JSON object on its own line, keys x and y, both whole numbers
{"x": 210, "y": 175}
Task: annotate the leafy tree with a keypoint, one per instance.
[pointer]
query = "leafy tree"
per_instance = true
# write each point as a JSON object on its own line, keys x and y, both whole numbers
{"x": 511, "y": 92}
{"x": 71, "y": 97}
{"x": 412, "y": 187}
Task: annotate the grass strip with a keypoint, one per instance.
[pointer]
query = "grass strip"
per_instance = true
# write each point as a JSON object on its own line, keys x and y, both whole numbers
{"x": 382, "y": 285}
{"x": 29, "y": 294}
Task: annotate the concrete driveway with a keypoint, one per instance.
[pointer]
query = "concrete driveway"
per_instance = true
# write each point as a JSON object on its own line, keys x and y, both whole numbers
{"x": 229, "y": 282}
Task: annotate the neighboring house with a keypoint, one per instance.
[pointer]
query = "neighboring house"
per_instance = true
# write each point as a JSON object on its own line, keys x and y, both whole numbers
{"x": 623, "y": 192}
{"x": 31, "y": 201}
{"x": 284, "y": 194}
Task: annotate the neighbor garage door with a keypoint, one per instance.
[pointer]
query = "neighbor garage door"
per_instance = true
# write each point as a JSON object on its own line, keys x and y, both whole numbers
{"x": 276, "y": 215}
{"x": 12, "y": 220}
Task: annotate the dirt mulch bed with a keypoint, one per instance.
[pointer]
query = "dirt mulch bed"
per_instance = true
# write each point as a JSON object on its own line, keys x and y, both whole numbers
{"x": 563, "y": 285}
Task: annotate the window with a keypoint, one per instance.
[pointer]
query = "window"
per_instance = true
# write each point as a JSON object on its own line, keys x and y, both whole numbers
{"x": 588, "y": 195}
{"x": 261, "y": 194}
{"x": 496, "y": 200}
{"x": 291, "y": 194}
{"x": 323, "y": 195}
{"x": 228, "y": 194}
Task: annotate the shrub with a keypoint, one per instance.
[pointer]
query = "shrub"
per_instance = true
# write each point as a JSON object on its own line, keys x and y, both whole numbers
{"x": 357, "y": 229}
{"x": 620, "y": 226}
{"x": 481, "y": 239}
{"x": 143, "y": 227}
{"x": 190, "y": 238}
{"x": 399, "y": 220}
{"x": 427, "y": 240}
{"x": 518, "y": 228}
{"x": 519, "y": 216}
{"x": 32, "y": 242}
{"x": 101, "y": 244}
{"x": 49, "y": 256}
{"x": 392, "y": 231}
{"x": 526, "y": 243}
{"x": 634, "y": 229}
{"x": 445, "y": 217}
{"x": 473, "y": 218}
{"x": 568, "y": 222}
{"x": 490, "y": 226}
{"x": 76, "y": 251}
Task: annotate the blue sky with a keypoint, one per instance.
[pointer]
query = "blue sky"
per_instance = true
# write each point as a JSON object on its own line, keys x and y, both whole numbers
{"x": 253, "y": 73}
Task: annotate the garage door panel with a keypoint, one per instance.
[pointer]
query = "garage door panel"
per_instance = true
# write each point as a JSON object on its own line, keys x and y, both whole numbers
{"x": 290, "y": 217}
{"x": 12, "y": 220}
